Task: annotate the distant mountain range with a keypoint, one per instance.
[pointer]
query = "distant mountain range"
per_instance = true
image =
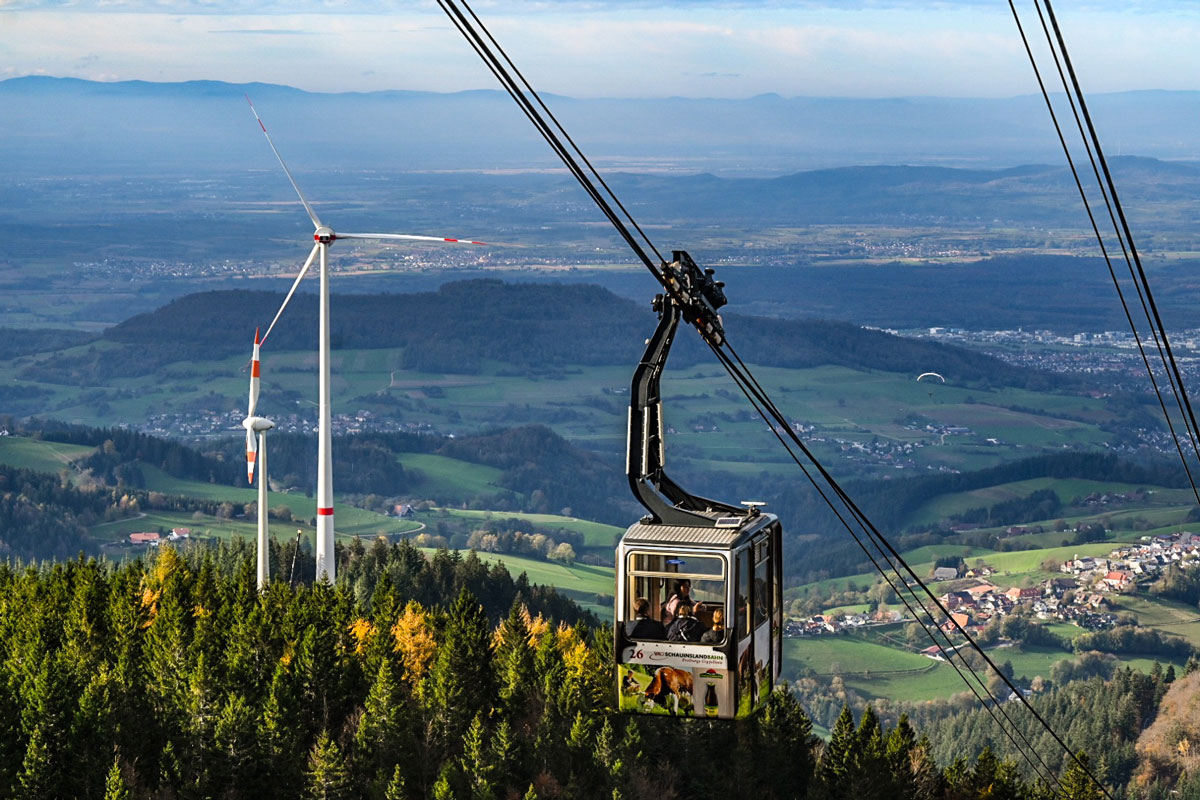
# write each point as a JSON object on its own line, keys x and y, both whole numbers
{"x": 83, "y": 125}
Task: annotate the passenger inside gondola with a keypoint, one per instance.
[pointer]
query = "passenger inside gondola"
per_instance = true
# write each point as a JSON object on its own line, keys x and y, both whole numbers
{"x": 682, "y": 596}
{"x": 716, "y": 634}
{"x": 643, "y": 626}
{"x": 685, "y": 627}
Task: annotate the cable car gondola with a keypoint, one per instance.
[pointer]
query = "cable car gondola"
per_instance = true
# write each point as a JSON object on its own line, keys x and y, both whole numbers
{"x": 710, "y": 571}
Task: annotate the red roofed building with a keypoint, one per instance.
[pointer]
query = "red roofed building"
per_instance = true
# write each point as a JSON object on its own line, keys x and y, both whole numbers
{"x": 1118, "y": 579}
{"x": 962, "y": 619}
{"x": 143, "y": 538}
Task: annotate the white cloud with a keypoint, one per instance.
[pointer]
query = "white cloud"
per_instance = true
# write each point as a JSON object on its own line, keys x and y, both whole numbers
{"x": 603, "y": 47}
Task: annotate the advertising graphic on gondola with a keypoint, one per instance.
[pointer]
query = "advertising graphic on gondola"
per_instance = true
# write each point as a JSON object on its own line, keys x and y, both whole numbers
{"x": 694, "y": 692}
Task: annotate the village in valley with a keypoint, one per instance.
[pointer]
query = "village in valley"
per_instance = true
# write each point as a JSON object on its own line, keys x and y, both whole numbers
{"x": 1084, "y": 595}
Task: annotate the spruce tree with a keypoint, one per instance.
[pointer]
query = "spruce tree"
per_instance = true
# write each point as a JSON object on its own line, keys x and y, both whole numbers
{"x": 1076, "y": 784}
{"x": 382, "y": 738}
{"x": 869, "y": 774}
{"x": 396, "y": 789}
{"x": 835, "y": 760}
{"x": 327, "y": 777}
{"x": 115, "y": 787}
{"x": 785, "y": 741}
{"x": 39, "y": 776}
{"x": 515, "y": 664}
{"x": 462, "y": 679}
{"x": 477, "y": 767}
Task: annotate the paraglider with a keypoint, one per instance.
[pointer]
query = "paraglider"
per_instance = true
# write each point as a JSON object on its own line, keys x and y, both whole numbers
{"x": 931, "y": 376}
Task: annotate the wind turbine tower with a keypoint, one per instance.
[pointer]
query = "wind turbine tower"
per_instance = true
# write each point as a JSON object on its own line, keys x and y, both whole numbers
{"x": 256, "y": 449}
{"x": 324, "y": 236}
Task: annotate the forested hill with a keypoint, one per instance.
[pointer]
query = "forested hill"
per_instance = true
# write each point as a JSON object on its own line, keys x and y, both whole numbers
{"x": 176, "y": 679}
{"x": 528, "y": 325}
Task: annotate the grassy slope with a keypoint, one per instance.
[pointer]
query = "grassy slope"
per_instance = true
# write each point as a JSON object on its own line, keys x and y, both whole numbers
{"x": 351, "y": 521}
{"x": 595, "y": 534}
{"x": 39, "y": 455}
{"x": 450, "y": 477}
{"x": 580, "y": 582}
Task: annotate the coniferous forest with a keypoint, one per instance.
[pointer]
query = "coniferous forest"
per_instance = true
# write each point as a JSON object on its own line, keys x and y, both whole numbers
{"x": 413, "y": 677}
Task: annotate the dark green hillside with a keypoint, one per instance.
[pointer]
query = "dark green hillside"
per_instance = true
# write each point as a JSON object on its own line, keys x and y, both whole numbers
{"x": 887, "y": 503}
{"x": 43, "y": 517}
{"x": 464, "y": 324}
{"x": 542, "y": 472}
{"x": 1102, "y": 717}
{"x": 16, "y": 342}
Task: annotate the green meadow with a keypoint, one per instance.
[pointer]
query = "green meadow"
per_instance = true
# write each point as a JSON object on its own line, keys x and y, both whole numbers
{"x": 39, "y": 455}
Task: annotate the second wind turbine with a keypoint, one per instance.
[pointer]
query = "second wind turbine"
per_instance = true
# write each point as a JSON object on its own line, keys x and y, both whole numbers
{"x": 324, "y": 236}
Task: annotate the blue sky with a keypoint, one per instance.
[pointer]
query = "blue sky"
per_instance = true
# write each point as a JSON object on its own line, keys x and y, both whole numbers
{"x": 590, "y": 48}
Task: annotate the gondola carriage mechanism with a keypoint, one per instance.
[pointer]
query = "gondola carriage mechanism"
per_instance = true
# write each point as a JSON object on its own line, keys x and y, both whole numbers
{"x": 698, "y": 615}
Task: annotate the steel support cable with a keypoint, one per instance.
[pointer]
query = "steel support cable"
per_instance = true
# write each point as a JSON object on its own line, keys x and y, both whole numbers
{"x": 1104, "y": 250}
{"x": 514, "y": 91}
{"x": 1153, "y": 316}
{"x": 1120, "y": 210}
{"x": 948, "y": 654}
{"x": 1192, "y": 434}
{"x": 497, "y": 68}
{"x": 880, "y": 539}
{"x": 529, "y": 87}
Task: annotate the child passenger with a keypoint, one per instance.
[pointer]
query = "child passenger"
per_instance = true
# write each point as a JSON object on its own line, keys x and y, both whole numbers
{"x": 685, "y": 627}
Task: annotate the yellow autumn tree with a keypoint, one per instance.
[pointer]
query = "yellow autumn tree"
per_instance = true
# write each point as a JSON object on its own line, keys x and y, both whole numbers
{"x": 415, "y": 643}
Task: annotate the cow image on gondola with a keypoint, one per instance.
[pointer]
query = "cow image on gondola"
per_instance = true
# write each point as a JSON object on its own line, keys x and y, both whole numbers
{"x": 672, "y": 683}
{"x": 716, "y": 566}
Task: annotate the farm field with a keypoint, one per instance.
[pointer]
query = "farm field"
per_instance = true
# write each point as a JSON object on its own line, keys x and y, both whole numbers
{"x": 712, "y": 427}
{"x": 39, "y": 455}
{"x": 591, "y": 587}
{"x": 595, "y": 534}
{"x": 450, "y": 478}
{"x": 202, "y": 526}
{"x": 1020, "y": 567}
{"x": 351, "y": 521}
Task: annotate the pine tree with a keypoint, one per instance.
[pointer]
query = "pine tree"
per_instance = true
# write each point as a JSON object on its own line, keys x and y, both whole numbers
{"x": 1076, "y": 784}
{"x": 462, "y": 679}
{"x": 381, "y": 740}
{"x": 396, "y": 789}
{"x": 835, "y": 760}
{"x": 515, "y": 663}
{"x": 115, "y": 787}
{"x": 327, "y": 777}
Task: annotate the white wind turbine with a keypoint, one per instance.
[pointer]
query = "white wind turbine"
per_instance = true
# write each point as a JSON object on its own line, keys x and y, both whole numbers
{"x": 256, "y": 449}
{"x": 325, "y": 236}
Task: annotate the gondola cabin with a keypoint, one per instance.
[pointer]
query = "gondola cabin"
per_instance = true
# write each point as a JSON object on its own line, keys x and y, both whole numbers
{"x": 732, "y": 576}
{"x": 698, "y": 616}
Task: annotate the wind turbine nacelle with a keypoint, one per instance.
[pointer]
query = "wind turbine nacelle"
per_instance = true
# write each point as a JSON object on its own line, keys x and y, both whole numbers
{"x": 325, "y": 235}
{"x": 257, "y": 424}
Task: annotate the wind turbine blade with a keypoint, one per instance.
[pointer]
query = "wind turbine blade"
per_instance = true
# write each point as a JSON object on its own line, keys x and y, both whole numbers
{"x": 251, "y": 453}
{"x": 254, "y": 376}
{"x": 311, "y": 214}
{"x": 292, "y": 291}
{"x": 407, "y": 237}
